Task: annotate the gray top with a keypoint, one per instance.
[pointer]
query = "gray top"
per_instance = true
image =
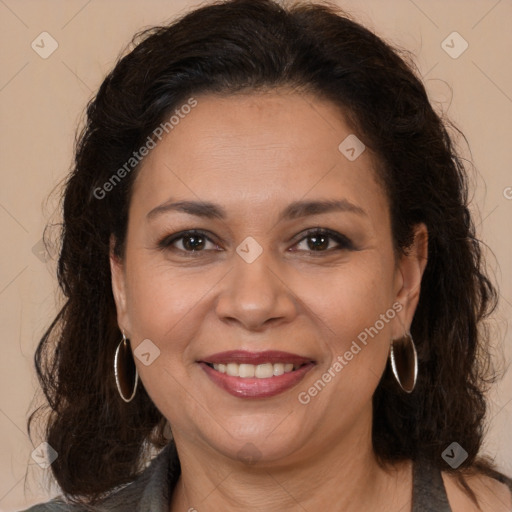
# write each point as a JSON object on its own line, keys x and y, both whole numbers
{"x": 151, "y": 490}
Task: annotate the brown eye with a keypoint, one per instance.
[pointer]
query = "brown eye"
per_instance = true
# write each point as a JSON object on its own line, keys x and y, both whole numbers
{"x": 191, "y": 242}
{"x": 319, "y": 240}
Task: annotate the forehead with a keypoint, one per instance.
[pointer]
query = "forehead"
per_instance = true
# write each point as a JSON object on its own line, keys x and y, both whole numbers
{"x": 258, "y": 149}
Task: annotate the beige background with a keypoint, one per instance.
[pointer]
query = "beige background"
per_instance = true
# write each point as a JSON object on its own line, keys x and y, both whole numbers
{"x": 42, "y": 100}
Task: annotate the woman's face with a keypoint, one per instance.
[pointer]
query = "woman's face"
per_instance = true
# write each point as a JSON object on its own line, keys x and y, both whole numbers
{"x": 253, "y": 282}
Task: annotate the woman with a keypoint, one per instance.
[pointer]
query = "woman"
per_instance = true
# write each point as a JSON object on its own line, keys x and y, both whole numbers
{"x": 271, "y": 275}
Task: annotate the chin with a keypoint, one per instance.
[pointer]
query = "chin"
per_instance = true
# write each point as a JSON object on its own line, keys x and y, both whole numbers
{"x": 258, "y": 449}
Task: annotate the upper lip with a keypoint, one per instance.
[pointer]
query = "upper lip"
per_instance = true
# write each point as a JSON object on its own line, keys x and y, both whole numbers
{"x": 244, "y": 356}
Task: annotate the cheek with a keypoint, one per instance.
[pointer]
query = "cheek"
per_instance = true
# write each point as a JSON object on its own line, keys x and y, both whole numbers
{"x": 163, "y": 306}
{"x": 357, "y": 338}
{"x": 161, "y": 301}
{"x": 354, "y": 297}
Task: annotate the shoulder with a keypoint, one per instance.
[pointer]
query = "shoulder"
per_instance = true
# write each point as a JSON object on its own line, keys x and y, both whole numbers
{"x": 148, "y": 491}
{"x": 54, "y": 505}
{"x": 122, "y": 499}
{"x": 492, "y": 494}
{"x": 118, "y": 500}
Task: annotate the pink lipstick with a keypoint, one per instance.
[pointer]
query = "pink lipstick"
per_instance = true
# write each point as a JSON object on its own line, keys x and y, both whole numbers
{"x": 256, "y": 374}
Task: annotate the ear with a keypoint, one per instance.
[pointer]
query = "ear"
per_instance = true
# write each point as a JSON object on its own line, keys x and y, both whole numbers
{"x": 409, "y": 272}
{"x": 117, "y": 270}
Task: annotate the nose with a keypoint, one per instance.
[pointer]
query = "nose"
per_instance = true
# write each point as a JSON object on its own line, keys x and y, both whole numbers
{"x": 255, "y": 295}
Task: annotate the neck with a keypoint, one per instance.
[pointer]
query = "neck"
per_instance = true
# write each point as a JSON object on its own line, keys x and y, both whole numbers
{"x": 343, "y": 476}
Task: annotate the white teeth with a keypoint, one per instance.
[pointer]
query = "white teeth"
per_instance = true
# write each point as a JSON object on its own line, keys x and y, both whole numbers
{"x": 264, "y": 371}
{"x": 260, "y": 371}
{"x": 278, "y": 369}
{"x": 246, "y": 370}
{"x": 232, "y": 369}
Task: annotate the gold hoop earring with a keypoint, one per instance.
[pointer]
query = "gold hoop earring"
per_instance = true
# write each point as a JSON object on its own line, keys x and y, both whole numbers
{"x": 404, "y": 362}
{"x": 123, "y": 371}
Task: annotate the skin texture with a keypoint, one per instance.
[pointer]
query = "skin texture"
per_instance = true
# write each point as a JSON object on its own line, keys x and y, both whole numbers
{"x": 493, "y": 496}
{"x": 253, "y": 154}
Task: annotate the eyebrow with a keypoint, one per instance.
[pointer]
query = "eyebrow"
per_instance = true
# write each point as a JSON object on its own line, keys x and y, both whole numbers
{"x": 293, "y": 211}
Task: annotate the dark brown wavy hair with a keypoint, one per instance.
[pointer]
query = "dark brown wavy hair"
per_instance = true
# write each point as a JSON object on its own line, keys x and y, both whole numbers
{"x": 249, "y": 45}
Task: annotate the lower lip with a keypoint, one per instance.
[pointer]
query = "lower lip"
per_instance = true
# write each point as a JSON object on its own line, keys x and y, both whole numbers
{"x": 252, "y": 387}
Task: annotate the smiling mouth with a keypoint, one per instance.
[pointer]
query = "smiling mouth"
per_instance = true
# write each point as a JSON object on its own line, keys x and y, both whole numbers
{"x": 253, "y": 381}
{"x": 262, "y": 374}
{"x": 259, "y": 371}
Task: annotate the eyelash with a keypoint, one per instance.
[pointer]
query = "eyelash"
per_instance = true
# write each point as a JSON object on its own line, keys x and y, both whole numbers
{"x": 344, "y": 242}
